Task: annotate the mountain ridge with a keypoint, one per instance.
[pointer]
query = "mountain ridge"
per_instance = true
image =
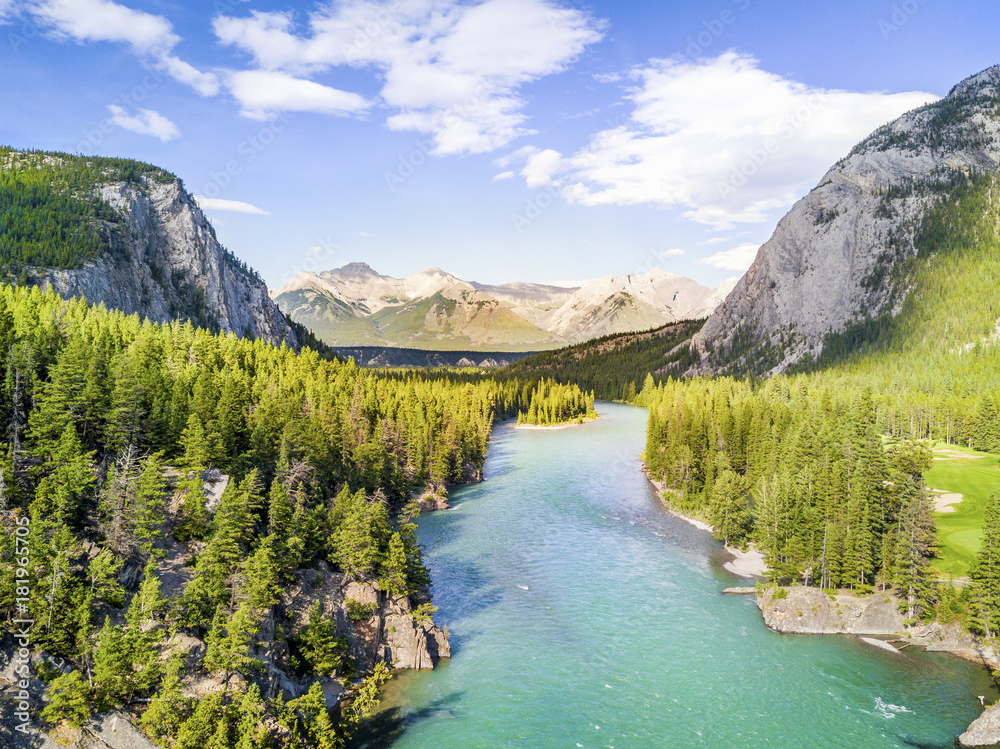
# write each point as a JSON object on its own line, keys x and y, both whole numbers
{"x": 839, "y": 256}
{"x": 433, "y": 309}
{"x": 154, "y": 252}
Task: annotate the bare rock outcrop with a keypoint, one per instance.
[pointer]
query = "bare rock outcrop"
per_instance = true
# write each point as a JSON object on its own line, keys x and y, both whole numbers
{"x": 984, "y": 730}
{"x": 410, "y": 642}
{"x": 165, "y": 262}
{"x": 811, "y": 611}
{"x": 829, "y": 262}
{"x": 953, "y": 638}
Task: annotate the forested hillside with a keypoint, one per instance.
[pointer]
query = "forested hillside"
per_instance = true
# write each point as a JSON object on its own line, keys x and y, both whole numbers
{"x": 615, "y": 366}
{"x": 149, "y": 585}
{"x": 50, "y": 214}
{"x": 822, "y": 468}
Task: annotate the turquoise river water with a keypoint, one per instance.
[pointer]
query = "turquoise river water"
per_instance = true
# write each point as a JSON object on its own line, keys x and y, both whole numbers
{"x": 584, "y": 615}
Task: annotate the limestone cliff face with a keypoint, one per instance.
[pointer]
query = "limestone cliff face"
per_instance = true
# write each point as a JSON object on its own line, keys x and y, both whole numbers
{"x": 828, "y": 263}
{"x": 165, "y": 262}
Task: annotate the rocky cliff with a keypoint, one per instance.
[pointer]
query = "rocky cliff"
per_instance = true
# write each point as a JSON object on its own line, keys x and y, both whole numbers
{"x": 158, "y": 257}
{"x": 831, "y": 259}
{"x": 812, "y": 611}
{"x": 166, "y": 263}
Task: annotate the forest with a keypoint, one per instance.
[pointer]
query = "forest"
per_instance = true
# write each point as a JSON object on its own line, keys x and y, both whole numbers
{"x": 552, "y": 403}
{"x": 111, "y": 424}
{"x": 822, "y": 467}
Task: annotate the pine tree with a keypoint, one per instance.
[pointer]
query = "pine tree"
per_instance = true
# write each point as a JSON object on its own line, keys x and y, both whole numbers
{"x": 199, "y": 730}
{"x": 67, "y": 698}
{"x": 315, "y": 718}
{"x": 985, "y": 596}
{"x": 729, "y": 511}
{"x": 148, "y": 602}
{"x": 166, "y": 712}
{"x": 193, "y": 518}
{"x": 251, "y": 732}
{"x": 111, "y": 667}
{"x": 228, "y": 644}
{"x": 261, "y": 575}
{"x": 102, "y": 573}
{"x": 319, "y": 644}
{"x": 197, "y": 450}
{"x": 361, "y": 534}
{"x": 915, "y": 539}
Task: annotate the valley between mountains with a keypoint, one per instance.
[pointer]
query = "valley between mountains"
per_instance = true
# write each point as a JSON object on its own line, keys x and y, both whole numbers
{"x": 212, "y": 519}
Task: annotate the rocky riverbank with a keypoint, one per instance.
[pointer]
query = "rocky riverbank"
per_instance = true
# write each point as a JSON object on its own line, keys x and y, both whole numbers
{"x": 374, "y": 625}
{"x": 799, "y": 610}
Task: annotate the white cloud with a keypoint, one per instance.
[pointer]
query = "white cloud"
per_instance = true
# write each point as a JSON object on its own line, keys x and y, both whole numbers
{"x": 105, "y": 21}
{"x": 739, "y": 258}
{"x": 148, "y": 35}
{"x": 147, "y": 122}
{"x": 234, "y": 206}
{"x": 451, "y": 69}
{"x": 727, "y": 141}
{"x": 206, "y": 84}
{"x": 503, "y": 176}
{"x": 365, "y": 234}
{"x": 673, "y": 252}
{"x": 262, "y": 93}
{"x": 540, "y": 167}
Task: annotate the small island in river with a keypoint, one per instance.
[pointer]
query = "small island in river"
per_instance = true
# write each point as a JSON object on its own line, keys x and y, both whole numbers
{"x": 557, "y": 406}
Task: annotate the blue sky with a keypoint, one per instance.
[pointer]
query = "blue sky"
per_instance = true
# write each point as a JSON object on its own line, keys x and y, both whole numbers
{"x": 500, "y": 140}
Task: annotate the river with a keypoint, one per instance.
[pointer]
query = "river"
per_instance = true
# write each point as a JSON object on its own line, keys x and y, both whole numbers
{"x": 584, "y": 615}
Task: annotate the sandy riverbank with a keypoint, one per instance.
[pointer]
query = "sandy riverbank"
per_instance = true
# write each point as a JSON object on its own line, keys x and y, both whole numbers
{"x": 749, "y": 563}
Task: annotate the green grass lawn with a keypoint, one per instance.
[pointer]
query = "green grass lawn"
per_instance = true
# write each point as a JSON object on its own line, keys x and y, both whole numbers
{"x": 975, "y": 476}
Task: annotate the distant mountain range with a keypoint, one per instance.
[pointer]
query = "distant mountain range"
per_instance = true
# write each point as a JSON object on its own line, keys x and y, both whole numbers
{"x": 356, "y": 306}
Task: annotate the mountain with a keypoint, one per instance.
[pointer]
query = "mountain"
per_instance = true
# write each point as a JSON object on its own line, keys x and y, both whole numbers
{"x": 844, "y": 255}
{"x": 130, "y": 236}
{"x": 618, "y": 304}
{"x": 433, "y": 309}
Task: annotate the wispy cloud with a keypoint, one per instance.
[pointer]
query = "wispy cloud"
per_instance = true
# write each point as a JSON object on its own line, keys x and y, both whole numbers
{"x": 147, "y": 122}
{"x": 738, "y": 258}
{"x": 234, "y": 206}
{"x": 150, "y": 36}
{"x": 721, "y": 138}
{"x": 451, "y": 69}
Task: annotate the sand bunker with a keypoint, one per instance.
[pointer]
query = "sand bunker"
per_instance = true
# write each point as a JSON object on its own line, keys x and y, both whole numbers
{"x": 946, "y": 454}
{"x": 943, "y": 501}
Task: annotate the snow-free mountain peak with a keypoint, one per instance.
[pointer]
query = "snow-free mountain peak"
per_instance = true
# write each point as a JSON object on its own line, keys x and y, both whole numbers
{"x": 356, "y": 306}
{"x": 841, "y": 256}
